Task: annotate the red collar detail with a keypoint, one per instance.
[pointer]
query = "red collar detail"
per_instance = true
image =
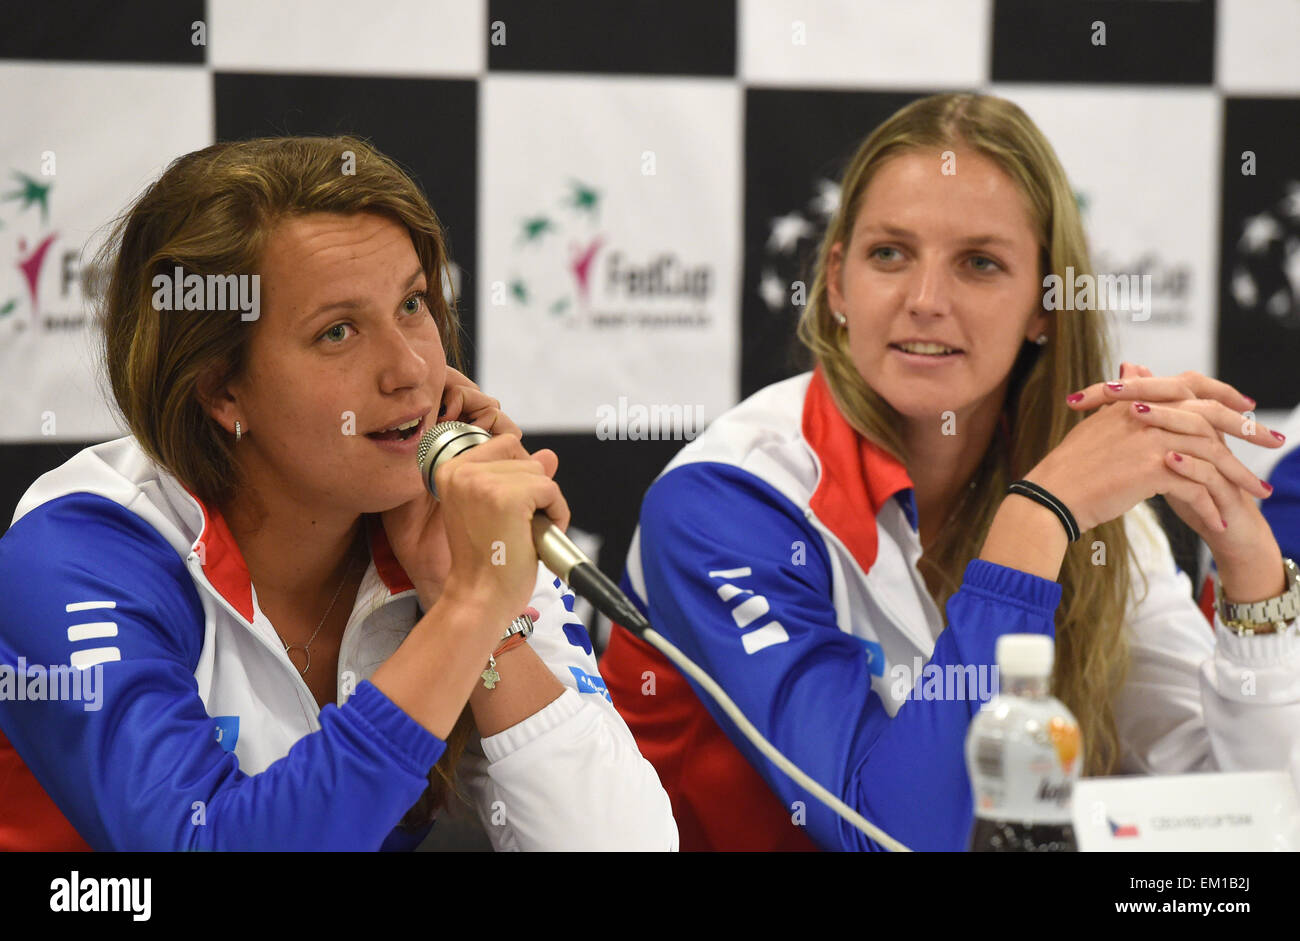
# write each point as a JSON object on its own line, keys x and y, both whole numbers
{"x": 854, "y": 472}
{"x": 222, "y": 561}
{"x": 390, "y": 570}
{"x": 225, "y": 568}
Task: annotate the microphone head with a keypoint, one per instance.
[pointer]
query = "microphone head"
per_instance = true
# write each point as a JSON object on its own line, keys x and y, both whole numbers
{"x": 443, "y": 442}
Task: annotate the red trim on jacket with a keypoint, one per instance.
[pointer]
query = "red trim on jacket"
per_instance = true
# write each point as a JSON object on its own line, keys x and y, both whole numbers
{"x": 719, "y": 799}
{"x": 31, "y": 821}
{"x": 388, "y": 568}
{"x": 851, "y": 467}
{"x": 227, "y": 571}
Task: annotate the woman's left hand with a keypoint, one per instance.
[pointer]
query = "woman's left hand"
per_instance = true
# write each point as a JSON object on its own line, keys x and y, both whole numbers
{"x": 1245, "y": 551}
{"x": 415, "y": 529}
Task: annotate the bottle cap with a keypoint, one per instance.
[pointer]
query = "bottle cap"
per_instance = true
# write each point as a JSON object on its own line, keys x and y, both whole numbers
{"x": 1025, "y": 655}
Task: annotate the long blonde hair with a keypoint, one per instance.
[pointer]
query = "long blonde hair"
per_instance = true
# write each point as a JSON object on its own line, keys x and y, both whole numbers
{"x": 1091, "y": 651}
{"x": 212, "y": 212}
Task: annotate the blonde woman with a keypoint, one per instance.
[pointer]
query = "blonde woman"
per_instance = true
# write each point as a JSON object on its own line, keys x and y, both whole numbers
{"x": 284, "y": 630}
{"x": 838, "y": 540}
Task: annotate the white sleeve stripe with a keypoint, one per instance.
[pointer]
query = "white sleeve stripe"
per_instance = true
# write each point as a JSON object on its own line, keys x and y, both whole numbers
{"x": 88, "y": 631}
{"x": 729, "y": 591}
{"x": 82, "y": 659}
{"x": 767, "y": 635}
{"x": 749, "y": 610}
{"x": 732, "y": 573}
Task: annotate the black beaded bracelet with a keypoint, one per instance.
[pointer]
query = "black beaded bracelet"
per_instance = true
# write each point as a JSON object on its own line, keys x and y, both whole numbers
{"x": 1027, "y": 488}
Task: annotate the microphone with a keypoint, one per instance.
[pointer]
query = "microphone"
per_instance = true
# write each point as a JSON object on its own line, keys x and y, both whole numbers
{"x": 557, "y": 551}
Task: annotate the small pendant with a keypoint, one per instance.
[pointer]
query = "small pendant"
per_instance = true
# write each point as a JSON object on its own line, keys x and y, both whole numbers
{"x": 490, "y": 676}
{"x": 288, "y": 650}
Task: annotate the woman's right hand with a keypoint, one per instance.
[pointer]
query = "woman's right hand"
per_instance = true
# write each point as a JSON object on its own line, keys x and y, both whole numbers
{"x": 489, "y": 495}
{"x": 1119, "y": 456}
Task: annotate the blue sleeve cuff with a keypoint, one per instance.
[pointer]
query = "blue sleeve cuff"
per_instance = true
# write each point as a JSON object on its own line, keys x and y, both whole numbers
{"x": 407, "y": 739}
{"x": 1038, "y": 595}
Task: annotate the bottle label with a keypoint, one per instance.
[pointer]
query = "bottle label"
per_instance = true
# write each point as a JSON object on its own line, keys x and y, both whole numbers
{"x": 1029, "y": 777}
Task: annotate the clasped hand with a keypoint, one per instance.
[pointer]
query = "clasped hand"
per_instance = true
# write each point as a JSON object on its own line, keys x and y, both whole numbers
{"x": 1165, "y": 435}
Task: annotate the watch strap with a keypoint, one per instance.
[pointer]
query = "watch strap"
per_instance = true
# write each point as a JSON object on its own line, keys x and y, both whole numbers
{"x": 1260, "y": 617}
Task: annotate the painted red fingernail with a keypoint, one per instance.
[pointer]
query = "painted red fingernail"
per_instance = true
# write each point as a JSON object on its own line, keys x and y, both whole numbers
{"x": 1278, "y": 435}
{"x": 1078, "y": 397}
{"x": 1250, "y": 400}
{"x": 1177, "y": 456}
{"x": 1225, "y": 523}
{"x": 1268, "y": 488}
{"x": 1142, "y": 407}
{"x": 1115, "y": 386}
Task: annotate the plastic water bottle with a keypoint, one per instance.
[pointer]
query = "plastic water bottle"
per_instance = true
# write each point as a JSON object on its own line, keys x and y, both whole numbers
{"x": 1024, "y": 752}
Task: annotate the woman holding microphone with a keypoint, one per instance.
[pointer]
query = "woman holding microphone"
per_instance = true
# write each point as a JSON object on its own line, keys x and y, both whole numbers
{"x": 288, "y": 629}
{"x": 954, "y": 469}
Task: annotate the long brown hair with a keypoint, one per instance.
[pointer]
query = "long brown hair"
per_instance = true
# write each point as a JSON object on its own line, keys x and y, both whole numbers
{"x": 1091, "y": 650}
{"x": 212, "y": 212}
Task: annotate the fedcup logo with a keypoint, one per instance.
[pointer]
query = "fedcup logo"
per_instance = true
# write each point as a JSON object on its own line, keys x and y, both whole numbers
{"x": 211, "y": 292}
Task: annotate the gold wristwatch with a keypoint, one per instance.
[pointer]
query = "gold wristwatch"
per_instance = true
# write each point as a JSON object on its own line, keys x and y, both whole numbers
{"x": 1262, "y": 617}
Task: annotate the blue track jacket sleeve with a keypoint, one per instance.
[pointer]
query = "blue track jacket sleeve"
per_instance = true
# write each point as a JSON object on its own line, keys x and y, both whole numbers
{"x": 811, "y": 695}
{"x": 141, "y": 769}
{"x": 1282, "y": 509}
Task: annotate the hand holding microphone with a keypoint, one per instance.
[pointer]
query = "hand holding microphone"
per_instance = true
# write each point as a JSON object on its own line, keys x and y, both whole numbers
{"x": 437, "y": 456}
{"x": 416, "y": 530}
{"x": 490, "y": 496}
{"x": 446, "y": 460}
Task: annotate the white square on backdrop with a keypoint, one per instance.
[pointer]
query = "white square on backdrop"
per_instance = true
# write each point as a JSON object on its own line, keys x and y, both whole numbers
{"x": 1258, "y": 47}
{"x": 609, "y": 252}
{"x": 1145, "y": 164}
{"x": 395, "y": 37}
{"x": 107, "y": 132}
{"x": 866, "y": 43}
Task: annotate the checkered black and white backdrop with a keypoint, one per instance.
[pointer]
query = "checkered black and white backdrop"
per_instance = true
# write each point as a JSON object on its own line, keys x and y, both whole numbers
{"x": 633, "y": 189}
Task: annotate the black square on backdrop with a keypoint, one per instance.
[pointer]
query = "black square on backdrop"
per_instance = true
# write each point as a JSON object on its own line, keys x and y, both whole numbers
{"x": 1148, "y": 41}
{"x": 1259, "y": 273}
{"x": 429, "y": 126}
{"x": 653, "y": 37}
{"x": 796, "y": 143}
{"x": 604, "y": 483}
{"x": 156, "y": 31}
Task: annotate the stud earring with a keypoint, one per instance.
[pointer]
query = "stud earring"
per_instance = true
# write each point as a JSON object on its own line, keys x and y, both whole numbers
{"x": 840, "y": 318}
{"x": 1041, "y": 339}
{"x": 238, "y": 433}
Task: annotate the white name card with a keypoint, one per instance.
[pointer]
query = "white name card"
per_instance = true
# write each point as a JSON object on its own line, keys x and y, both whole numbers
{"x": 1247, "y": 810}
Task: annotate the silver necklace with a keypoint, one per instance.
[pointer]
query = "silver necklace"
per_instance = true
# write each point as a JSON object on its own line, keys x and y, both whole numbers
{"x": 306, "y": 648}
